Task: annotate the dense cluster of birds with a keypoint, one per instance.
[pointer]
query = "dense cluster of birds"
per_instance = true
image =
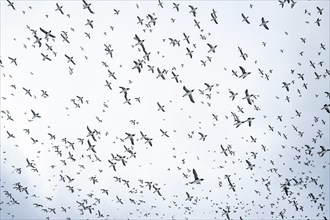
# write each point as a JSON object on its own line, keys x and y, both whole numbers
{"x": 117, "y": 150}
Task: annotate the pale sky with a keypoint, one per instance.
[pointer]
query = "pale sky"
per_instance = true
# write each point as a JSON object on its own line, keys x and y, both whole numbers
{"x": 290, "y": 174}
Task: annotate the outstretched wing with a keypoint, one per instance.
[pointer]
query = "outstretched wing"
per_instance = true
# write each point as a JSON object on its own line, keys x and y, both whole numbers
{"x": 43, "y": 30}
{"x": 262, "y": 20}
{"x": 242, "y": 69}
{"x": 246, "y": 92}
{"x": 195, "y": 174}
{"x": 191, "y": 98}
{"x": 265, "y": 25}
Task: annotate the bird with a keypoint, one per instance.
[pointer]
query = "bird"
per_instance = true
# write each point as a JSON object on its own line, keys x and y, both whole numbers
{"x": 27, "y": 92}
{"x": 35, "y": 115}
{"x": 47, "y": 34}
{"x": 152, "y": 19}
{"x": 196, "y": 179}
{"x": 175, "y": 76}
{"x": 189, "y": 198}
{"x": 176, "y": 6}
{"x": 243, "y": 55}
{"x": 319, "y": 10}
{"x": 11, "y": 4}
{"x": 164, "y": 133}
{"x": 160, "y": 107}
{"x": 38, "y": 40}
{"x": 326, "y": 107}
{"x": 248, "y": 97}
{"x": 223, "y": 150}
{"x": 112, "y": 74}
{"x": 10, "y": 135}
{"x": 233, "y": 95}
{"x": 13, "y": 60}
{"x": 29, "y": 164}
{"x": 91, "y": 133}
{"x": 45, "y": 57}
{"x": 90, "y": 23}
{"x": 203, "y": 136}
{"x": 70, "y": 59}
{"x": 87, "y": 6}
{"x": 214, "y": 18}
{"x": 90, "y": 146}
{"x": 208, "y": 87}
{"x": 116, "y": 11}
{"x": 188, "y": 93}
{"x": 249, "y": 120}
{"x": 245, "y": 19}
{"x": 244, "y": 73}
{"x": 186, "y": 38}
{"x": 137, "y": 65}
{"x": 189, "y": 52}
{"x": 108, "y": 84}
{"x": 161, "y": 73}
{"x": 160, "y": 4}
{"x": 212, "y": 48}
{"x": 193, "y": 10}
{"x": 286, "y": 85}
{"x": 130, "y": 137}
{"x": 59, "y": 8}
{"x": 323, "y": 151}
{"x": 264, "y": 23}
{"x": 250, "y": 166}
{"x": 140, "y": 20}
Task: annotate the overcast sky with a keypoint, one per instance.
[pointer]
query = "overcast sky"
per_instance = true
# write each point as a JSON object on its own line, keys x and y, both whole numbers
{"x": 47, "y": 103}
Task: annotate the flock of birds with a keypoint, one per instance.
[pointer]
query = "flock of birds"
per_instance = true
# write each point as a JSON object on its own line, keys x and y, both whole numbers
{"x": 242, "y": 160}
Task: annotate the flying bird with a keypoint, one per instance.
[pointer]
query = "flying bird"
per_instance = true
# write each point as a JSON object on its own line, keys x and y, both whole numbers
{"x": 87, "y": 6}
{"x": 196, "y": 179}
{"x": 59, "y": 8}
{"x": 188, "y": 93}
{"x": 264, "y": 23}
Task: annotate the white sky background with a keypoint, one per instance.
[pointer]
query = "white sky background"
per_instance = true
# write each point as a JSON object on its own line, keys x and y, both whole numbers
{"x": 162, "y": 163}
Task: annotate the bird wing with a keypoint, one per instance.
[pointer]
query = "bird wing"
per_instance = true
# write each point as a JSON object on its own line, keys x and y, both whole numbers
{"x": 191, "y": 98}
{"x": 250, "y": 103}
{"x": 90, "y": 10}
{"x": 137, "y": 38}
{"x": 195, "y": 174}
{"x": 265, "y": 25}
{"x": 242, "y": 69}
{"x": 43, "y": 30}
